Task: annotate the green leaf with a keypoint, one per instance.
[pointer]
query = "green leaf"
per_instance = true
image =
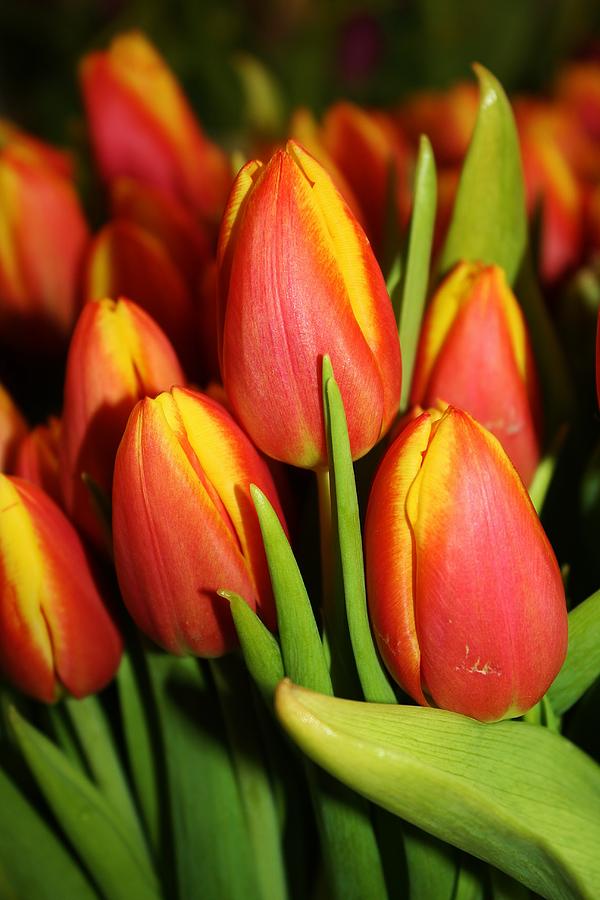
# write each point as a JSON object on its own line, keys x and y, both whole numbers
{"x": 260, "y": 649}
{"x": 34, "y": 863}
{"x": 431, "y": 864}
{"x": 418, "y": 259}
{"x": 373, "y": 679}
{"x": 140, "y": 740}
{"x": 515, "y": 795}
{"x": 210, "y": 840}
{"x": 99, "y": 835}
{"x": 489, "y": 222}
{"x": 258, "y": 801}
{"x": 582, "y": 665}
{"x": 544, "y": 473}
{"x": 349, "y": 846}
{"x": 96, "y": 740}
{"x": 301, "y": 645}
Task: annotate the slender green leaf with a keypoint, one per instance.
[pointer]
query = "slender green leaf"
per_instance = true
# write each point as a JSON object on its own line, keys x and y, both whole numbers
{"x": 100, "y": 836}
{"x": 431, "y": 864}
{"x": 260, "y": 649}
{"x": 97, "y": 742}
{"x": 544, "y": 474}
{"x": 489, "y": 222}
{"x": 212, "y": 853}
{"x": 34, "y": 863}
{"x": 470, "y": 883}
{"x": 512, "y": 794}
{"x": 349, "y": 846}
{"x": 141, "y": 743}
{"x": 251, "y": 768}
{"x": 418, "y": 259}
{"x": 582, "y": 665}
{"x": 373, "y": 679}
{"x": 505, "y": 888}
{"x": 301, "y": 645}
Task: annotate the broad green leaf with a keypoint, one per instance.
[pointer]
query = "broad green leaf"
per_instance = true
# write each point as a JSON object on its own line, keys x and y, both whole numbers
{"x": 257, "y": 797}
{"x": 515, "y": 795}
{"x": 299, "y": 637}
{"x": 558, "y": 398}
{"x": 374, "y": 682}
{"x": 141, "y": 741}
{"x": 349, "y": 846}
{"x": 489, "y": 222}
{"x": 96, "y": 740}
{"x": 34, "y": 863}
{"x": 418, "y": 259}
{"x": 210, "y": 840}
{"x": 260, "y": 649}
{"x": 100, "y": 836}
{"x": 582, "y": 665}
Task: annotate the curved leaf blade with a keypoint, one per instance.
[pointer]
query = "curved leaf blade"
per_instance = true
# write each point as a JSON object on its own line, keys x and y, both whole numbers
{"x": 489, "y": 221}
{"x": 582, "y": 665}
{"x": 512, "y": 794}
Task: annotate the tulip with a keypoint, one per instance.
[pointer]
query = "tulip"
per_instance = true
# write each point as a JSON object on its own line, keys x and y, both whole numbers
{"x": 465, "y": 594}
{"x": 142, "y": 126}
{"x": 298, "y": 280}
{"x": 474, "y": 353}
{"x": 13, "y": 429}
{"x": 578, "y": 88}
{"x": 184, "y": 525}
{"x": 125, "y": 260}
{"x": 374, "y": 158}
{"x": 55, "y": 632}
{"x": 34, "y": 149}
{"x": 117, "y": 355}
{"x": 44, "y": 235}
{"x": 37, "y": 458}
{"x": 169, "y": 222}
{"x": 446, "y": 117}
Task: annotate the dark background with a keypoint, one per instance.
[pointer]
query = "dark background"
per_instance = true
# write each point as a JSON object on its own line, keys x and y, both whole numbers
{"x": 310, "y": 51}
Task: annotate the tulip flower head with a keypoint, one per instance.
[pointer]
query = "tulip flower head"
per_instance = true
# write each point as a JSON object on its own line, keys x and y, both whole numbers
{"x": 117, "y": 355}
{"x": 184, "y": 525}
{"x": 474, "y": 352}
{"x": 298, "y": 280}
{"x": 465, "y": 594}
{"x": 37, "y": 458}
{"x": 55, "y": 632}
{"x": 13, "y": 429}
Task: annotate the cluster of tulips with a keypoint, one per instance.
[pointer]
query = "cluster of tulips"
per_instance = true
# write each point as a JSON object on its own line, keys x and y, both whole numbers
{"x": 221, "y": 328}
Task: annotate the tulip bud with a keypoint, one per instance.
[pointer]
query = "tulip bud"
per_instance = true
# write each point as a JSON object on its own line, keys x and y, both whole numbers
{"x": 142, "y": 126}
{"x": 43, "y": 237}
{"x": 171, "y": 224}
{"x": 118, "y": 354}
{"x": 298, "y": 280}
{"x": 55, "y": 632}
{"x": 184, "y": 525}
{"x": 13, "y": 429}
{"x": 128, "y": 261}
{"x": 37, "y": 458}
{"x": 465, "y": 594}
{"x": 370, "y": 152}
{"x": 474, "y": 352}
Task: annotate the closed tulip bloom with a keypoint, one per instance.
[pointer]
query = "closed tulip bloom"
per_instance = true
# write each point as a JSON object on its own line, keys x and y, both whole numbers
{"x": 56, "y": 635}
{"x": 298, "y": 280}
{"x": 43, "y": 235}
{"x": 142, "y": 126}
{"x": 474, "y": 353}
{"x": 126, "y": 260}
{"x": 184, "y": 524}
{"x": 13, "y": 429}
{"x": 117, "y": 355}
{"x": 465, "y": 594}
{"x": 37, "y": 458}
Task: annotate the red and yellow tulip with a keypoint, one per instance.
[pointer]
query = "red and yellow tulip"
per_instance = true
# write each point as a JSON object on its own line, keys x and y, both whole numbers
{"x": 37, "y": 458}
{"x": 43, "y": 236}
{"x": 184, "y": 525}
{"x": 474, "y": 353}
{"x": 13, "y": 429}
{"x": 142, "y": 126}
{"x": 117, "y": 355}
{"x": 298, "y": 280}
{"x": 56, "y": 634}
{"x": 465, "y": 594}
